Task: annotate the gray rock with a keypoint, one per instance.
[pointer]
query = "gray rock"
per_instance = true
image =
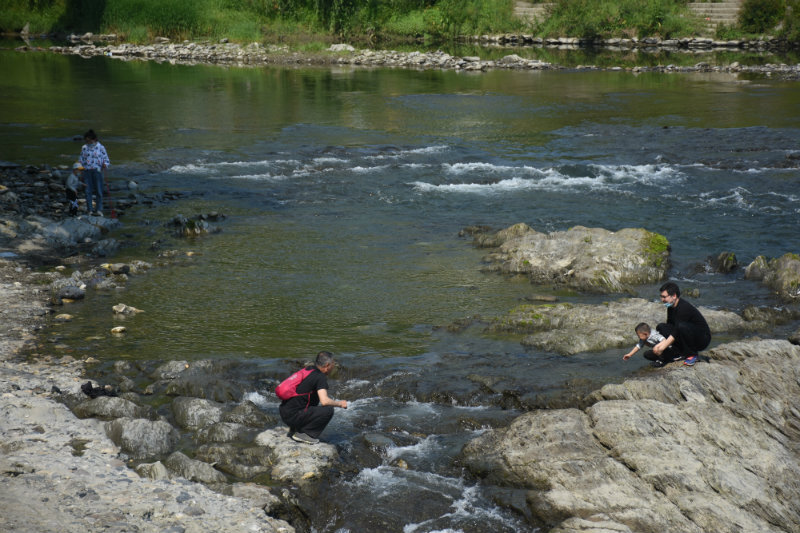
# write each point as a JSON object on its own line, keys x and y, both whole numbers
{"x": 725, "y": 262}
{"x": 196, "y": 412}
{"x": 293, "y": 461}
{"x": 204, "y": 386}
{"x": 587, "y": 259}
{"x": 142, "y": 438}
{"x": 71, "y": 231}
{"x": 71, "y": 292}
{"x": 225, "y": 432}
{"x": 573, "y": 328}
{"x": 341, "y": 47}
{"x": 108, "y": 407}
{"x": 707, "y": 448}
{"x": 243, "y": 463}
{"x": 170, "y": 370}
{"x": 155, "y": 470}
{"x": 781, "y": 275}
{"x": 248, "y": 414}
{"x": 259, "y": 495}
{"x": 192, "y": 469}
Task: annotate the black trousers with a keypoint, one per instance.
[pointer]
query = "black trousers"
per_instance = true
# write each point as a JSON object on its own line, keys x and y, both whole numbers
{"x": 689, "y": 339}
{"x": 311, "y": 421}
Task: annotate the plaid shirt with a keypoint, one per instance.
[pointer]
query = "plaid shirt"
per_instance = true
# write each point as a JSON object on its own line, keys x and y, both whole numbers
{"x": 94, "y": 156}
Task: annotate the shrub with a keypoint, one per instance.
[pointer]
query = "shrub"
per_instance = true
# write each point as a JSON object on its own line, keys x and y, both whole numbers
{"x": 624, "y": 18}
{"x": 791, "y": 21}
{"x": 760, "y": 16}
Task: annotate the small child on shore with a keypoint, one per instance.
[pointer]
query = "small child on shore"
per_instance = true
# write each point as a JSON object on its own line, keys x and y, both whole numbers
{"x": 73, "y": 182}
{"x": 650, "y": 337}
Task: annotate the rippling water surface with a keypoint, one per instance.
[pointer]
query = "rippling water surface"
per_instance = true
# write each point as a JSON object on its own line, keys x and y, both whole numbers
{"x": 345, "y": 191}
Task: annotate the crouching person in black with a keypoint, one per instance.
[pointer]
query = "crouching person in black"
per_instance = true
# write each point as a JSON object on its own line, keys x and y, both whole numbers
{"x": 308, "y": 413}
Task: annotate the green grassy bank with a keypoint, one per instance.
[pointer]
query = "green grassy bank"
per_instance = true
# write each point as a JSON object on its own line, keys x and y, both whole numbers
{"x": 306, "y": 22}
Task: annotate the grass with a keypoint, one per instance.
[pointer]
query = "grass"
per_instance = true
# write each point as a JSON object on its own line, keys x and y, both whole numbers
{"x": 312, "y": 23}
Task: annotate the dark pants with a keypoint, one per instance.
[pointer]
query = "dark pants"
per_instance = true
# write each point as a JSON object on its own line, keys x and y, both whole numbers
{"x": 310, "y": 421}
{"x": 689, "y": 339}
{"x": 94, "y": 187}
{"x": 72, "y": 200}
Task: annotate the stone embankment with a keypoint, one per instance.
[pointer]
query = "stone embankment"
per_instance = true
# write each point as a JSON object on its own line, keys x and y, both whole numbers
{"x": 255, "y": 54}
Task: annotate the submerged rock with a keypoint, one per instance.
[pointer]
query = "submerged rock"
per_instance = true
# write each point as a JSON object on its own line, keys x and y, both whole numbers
{"x": 707, "y": 448}
{"x": 586, "y": 259}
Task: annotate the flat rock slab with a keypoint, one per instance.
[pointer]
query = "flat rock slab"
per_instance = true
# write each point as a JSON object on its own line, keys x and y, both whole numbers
{"x": 568, "y": 329}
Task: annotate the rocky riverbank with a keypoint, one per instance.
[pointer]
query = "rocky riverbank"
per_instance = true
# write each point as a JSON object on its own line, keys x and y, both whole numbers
{"x": 59, "y": 472}
{"x": 713, "y": 447}
{"x": 255, "y": 54}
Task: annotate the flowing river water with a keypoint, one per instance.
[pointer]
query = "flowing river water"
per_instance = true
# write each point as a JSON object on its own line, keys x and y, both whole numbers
{"x": 344, "y": 191}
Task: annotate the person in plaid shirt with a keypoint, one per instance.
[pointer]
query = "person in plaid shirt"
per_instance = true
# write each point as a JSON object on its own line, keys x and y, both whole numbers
{"x": 94, "y": 160}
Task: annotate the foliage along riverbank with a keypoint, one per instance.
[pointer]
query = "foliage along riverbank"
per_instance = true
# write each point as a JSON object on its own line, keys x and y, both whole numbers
{"x": 313, "y": 24}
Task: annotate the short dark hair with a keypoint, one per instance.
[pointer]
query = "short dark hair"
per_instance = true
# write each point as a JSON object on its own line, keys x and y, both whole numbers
{"x": 90, "y": 135}
{"x": 672, "y": 289}
{"x": 642, "y": 327}
{"x": 324, "y": 359}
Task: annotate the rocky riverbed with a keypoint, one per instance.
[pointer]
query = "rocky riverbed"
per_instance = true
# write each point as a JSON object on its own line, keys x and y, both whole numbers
{"x": 256, "y": 54}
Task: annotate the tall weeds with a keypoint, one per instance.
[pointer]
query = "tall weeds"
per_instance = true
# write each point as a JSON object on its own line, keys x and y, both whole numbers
{"x": 619, "y": 18}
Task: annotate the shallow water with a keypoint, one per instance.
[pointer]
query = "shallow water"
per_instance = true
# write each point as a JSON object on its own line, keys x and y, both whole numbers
{"x": 345, "y": 191}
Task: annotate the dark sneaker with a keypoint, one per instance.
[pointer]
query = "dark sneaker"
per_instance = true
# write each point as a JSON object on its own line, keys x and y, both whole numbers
{"x": 658, "y": 363}
{"x": 305, "y": 439}
{"x": 690, "y": 361}
{"x": 677, "y": 358}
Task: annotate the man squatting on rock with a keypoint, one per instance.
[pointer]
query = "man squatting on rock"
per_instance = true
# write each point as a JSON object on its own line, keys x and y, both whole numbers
{"x": 308, "y": 414}
{"x": 686, "y": 329}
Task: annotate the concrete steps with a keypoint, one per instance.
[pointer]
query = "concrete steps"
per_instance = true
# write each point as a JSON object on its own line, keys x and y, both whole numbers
{"x": 717, "y": 13}
{"x": 714, "y": 13}
{"x": 529, "y": 11}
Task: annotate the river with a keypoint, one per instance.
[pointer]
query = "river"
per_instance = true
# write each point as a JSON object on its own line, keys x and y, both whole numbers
{"x": 344, "y": 191}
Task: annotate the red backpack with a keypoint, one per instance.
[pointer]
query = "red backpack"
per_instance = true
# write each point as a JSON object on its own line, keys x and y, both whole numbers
{"x": 288, "y": 387}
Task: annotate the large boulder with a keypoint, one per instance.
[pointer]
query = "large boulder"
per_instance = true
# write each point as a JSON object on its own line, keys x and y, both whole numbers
{"x": 586, "y": 259}
{"x": 781, "y": 275}
{"x": 293, "y": 461}
{"x": 142, "y": 438}
{"x": 196, "y": 413}
{"x": 707, "y": 448}
{"x": 573, "y": 328}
